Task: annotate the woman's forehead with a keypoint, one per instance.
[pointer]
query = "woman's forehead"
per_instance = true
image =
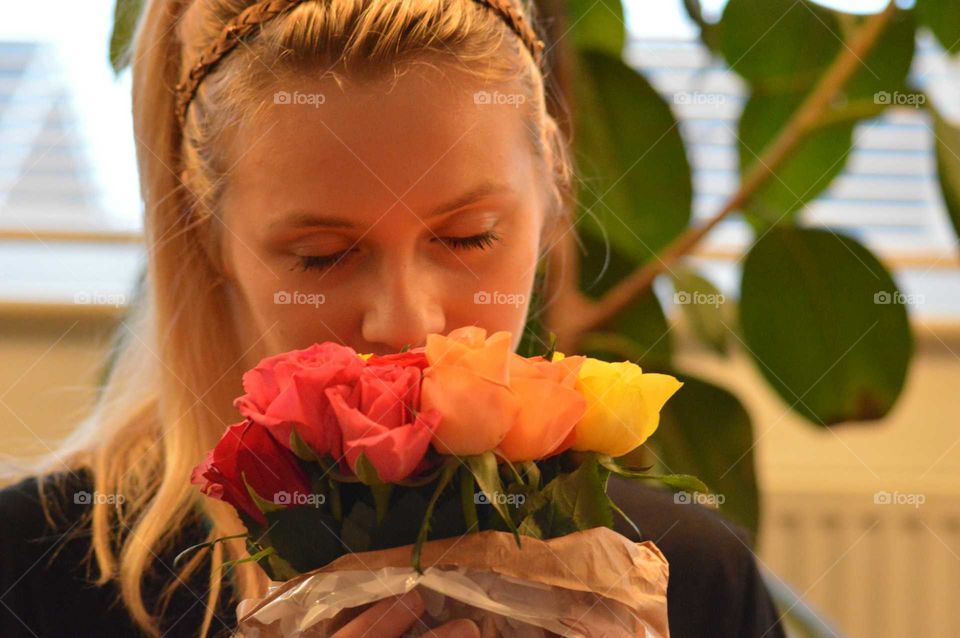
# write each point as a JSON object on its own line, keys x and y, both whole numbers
{"x": 319, "y": 143}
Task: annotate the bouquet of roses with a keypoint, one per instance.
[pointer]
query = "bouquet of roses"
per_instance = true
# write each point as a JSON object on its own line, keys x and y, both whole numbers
{"x": 462, "y": 469}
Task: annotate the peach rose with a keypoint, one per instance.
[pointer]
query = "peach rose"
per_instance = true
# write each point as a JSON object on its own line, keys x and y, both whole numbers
{"x": 550, "y": 407}
{"x": 468, "y": 383}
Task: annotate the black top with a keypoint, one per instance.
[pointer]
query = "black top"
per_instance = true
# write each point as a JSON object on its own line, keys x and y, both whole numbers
{"x": 714, "y": 590}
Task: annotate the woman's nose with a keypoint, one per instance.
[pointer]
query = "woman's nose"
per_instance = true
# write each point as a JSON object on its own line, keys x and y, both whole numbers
{"x": 403, "y": 309}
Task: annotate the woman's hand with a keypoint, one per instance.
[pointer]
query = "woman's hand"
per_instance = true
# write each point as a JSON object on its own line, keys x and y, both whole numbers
{"x": 391, "y": 617}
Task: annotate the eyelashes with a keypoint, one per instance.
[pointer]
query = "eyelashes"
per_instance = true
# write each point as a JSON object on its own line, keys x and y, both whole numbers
{"x": 322, "y": 262}
{"x": 481, "y": 241}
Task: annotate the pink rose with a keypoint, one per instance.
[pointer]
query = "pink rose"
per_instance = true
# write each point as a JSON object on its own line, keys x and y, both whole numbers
{"x": 379, "y": 417}
{"x": 285, "y": 392}
{"x": 248, "y": 450}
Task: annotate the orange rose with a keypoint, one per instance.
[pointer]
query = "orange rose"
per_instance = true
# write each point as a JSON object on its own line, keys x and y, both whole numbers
{"x": 550, "y": 407}
{"x": 468, "y": 384}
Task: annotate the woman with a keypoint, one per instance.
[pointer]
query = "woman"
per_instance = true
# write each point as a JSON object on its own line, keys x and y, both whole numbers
{"x": 364, "y": 172}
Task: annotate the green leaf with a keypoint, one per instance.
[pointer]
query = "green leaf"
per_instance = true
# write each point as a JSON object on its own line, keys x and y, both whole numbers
{"x": 826, "y": 324}
{"x": 580, "y": 496}
{"x": 686, "y": 482}
{"x": 125, "y": 16}
{"x": 486, "y": 472}
{"x": 381, "y": 491}
{"x": 681, "y": 482}
{"x": 330, "y": 469}
{"x": 597, "y": 25}
{"x": 300, "y": 448}
{"x": 794, "y": 44}
{"x": 532, "y": 473}
{"x": 551, "y": 346}
{"x": 366, "y": 471}
{"x": 306, "y": 537}
{"x": 262, "y": 504}
{"x": 808, "y": 171}
{"x": 947, "y": 140}
{"x": 640, "y": 332}
{"x": 634, "y": 185}
{"x": 449, "y": 470}
{"x": 253, "y": 558}
{"x": 779, "y": 45}
{"x": 704, "y": 308}
{"x": 704, "y": 430}
{"x": 886, "y": 66}
{"x": 179, "y": 557}
{"x": 530, "y": 526}
{"x": 623, "y": 515}
{"x": 943, "y": 18}
{"x": 509, "y": 465}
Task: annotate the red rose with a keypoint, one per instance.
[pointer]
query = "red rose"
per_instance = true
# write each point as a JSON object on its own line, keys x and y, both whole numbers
{"x": 285, "y": 392}
{"x": 247, "y": 449}
{"x": 379, "y": 417}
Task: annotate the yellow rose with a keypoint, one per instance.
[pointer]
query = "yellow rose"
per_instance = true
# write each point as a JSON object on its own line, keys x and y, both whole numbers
{"x": 623, "y": 406}
{"x": 468, "y": 382}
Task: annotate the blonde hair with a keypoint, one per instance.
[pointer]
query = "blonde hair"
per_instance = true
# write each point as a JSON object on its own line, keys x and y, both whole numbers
{"x": 168, "y": 396}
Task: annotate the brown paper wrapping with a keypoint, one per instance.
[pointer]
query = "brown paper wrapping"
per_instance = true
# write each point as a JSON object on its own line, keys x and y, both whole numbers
{"x": 597, "y": 561}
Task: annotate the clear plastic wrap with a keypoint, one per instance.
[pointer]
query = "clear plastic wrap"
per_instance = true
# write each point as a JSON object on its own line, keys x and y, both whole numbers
{"x": 595, "y": 583}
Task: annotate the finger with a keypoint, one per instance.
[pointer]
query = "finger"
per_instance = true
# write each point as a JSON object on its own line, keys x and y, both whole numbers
{"x": 388, "y": 618}
{"x": 463, "y": 628}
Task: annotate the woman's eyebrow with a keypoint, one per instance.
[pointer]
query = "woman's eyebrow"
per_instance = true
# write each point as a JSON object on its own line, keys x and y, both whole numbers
{"x": 306, "y": 219}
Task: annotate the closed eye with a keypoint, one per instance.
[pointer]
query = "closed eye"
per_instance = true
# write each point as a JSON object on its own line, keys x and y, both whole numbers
{"x": 481, "y": 241}
{"x": 322, "y": 262}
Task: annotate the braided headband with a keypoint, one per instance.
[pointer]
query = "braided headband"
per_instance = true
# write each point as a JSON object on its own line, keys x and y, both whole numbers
{"x": 244, "y": 22}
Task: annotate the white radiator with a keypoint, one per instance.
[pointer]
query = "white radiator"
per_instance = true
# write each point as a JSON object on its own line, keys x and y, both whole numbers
{"x": 883, "y": 565}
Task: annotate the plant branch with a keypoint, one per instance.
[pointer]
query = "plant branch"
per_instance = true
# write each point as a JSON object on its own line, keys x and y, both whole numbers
{"x": 571, "y": 326}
